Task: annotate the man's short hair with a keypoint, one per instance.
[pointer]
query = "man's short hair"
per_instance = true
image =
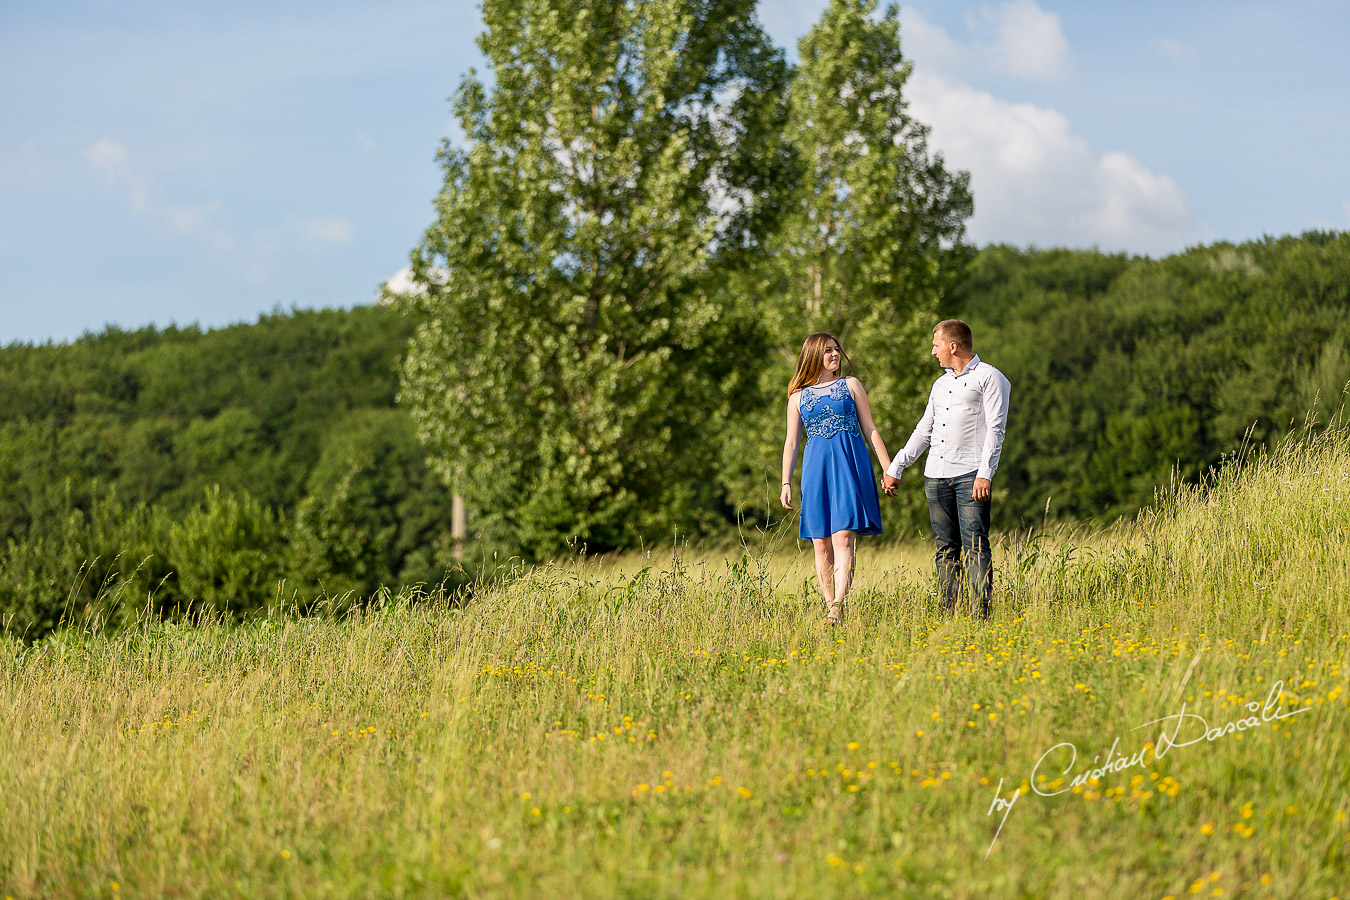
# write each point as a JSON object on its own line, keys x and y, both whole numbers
{"x": 956, "y": 330}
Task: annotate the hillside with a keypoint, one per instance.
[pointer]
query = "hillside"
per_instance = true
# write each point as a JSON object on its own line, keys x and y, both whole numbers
{"x": 205, "y": 466}
{"x": 672, "y": 726}
{"x": 202, "y": 468}
{"x": 1126, "y": 369}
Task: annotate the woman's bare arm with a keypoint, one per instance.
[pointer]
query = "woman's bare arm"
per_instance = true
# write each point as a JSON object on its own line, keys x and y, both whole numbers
{"x": 794, "y": 434}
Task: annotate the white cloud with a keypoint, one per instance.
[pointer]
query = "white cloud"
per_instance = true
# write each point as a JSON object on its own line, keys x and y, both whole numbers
{"x": 1034, "y": 179}
{"x": 251, "y": 255}
{"x": 323, "y": 230}
{"x": 1019, "y": 38}
{"x": 921, "y": 40}
{"x": 112, "y": 160}
{"x": 109, "y": 157}
{"x": 1016, "y": 37}
{"x": 1171, "y": 48}
{"x": 1137, "y": 207}
{"x": 1036, "y": 182}
{"x": 366, "y": 141}
{"x": 401, "y": 284}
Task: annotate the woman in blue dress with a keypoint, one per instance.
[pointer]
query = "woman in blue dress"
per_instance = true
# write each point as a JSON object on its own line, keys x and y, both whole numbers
{"x": 839, "y": 489}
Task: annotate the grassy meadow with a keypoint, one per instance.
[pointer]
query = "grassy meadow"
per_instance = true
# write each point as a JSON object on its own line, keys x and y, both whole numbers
{"x": 681, "y": 725}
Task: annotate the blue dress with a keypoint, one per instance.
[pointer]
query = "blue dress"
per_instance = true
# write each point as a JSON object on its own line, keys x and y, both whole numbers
{"x": 839, "y": 490}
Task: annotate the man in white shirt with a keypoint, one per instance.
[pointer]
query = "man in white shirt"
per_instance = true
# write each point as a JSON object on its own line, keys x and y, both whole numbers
{"x": 962, "y": 430}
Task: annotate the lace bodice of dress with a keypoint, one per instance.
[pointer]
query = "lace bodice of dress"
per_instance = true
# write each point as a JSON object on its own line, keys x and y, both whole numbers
{"x": 829, "y": 410}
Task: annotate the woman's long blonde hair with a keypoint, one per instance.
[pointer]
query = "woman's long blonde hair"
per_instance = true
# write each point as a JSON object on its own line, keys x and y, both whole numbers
{"x": 811, "y": 361}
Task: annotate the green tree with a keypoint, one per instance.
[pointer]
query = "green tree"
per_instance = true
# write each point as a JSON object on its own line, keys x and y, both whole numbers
{"x": 873, "y": 238}
{"x": 375, "y": 514}
{"x": 226, "y": 555}
{"x": 575, "y": 363}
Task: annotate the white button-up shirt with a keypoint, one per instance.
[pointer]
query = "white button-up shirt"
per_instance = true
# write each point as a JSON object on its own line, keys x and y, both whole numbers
{"x": 962, "y": 426}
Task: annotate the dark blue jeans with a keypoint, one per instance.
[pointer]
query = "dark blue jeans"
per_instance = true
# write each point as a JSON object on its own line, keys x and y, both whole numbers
{"x": 960, "y": 529}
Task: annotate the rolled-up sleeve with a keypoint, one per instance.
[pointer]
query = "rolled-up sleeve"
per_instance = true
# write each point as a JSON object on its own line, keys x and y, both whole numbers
{"x": 995, "y": 402}
{"x": 917, "y": 443}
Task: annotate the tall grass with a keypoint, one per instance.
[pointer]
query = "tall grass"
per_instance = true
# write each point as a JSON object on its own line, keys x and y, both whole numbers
{"x": 677, "y": 724}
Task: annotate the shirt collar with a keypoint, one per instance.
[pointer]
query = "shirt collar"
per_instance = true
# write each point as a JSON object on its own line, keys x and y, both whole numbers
{"x": 970, "y": 367}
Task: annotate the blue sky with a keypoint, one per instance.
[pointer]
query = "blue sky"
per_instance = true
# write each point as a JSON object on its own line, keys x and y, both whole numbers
{"x": 179, "y": 163}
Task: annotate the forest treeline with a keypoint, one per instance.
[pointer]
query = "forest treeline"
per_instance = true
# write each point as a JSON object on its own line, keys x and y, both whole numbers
{"x": 1126, "y": 369}
{"x": 204, "y": 468}
{"x": 235, "y": 467}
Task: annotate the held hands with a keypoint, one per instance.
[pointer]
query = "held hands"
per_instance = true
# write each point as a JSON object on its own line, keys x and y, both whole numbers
{"x": 981, "y": 491}
{"x": 786, "y": 497}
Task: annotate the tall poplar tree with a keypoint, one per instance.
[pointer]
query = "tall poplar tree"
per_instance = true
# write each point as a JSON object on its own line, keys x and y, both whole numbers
{"x": 573, "y": 367}
{"x": 873, "y": 237}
